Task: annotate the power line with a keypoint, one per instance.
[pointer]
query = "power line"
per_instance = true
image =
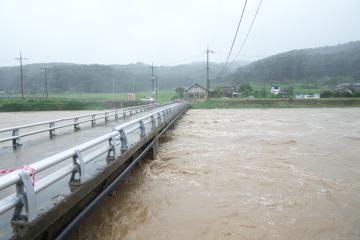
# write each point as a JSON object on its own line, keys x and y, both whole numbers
{"x": 248, "y": 33}
{"x": 234, "y": 40}
{"x": 21, "y": 73}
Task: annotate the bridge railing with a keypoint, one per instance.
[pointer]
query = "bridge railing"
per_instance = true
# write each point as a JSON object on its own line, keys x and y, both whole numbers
{"x": 51, "y": 126}
{"x": 113, "y": 144}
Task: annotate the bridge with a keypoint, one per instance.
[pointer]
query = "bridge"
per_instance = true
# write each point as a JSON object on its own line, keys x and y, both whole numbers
{"x": 54, "y": 173}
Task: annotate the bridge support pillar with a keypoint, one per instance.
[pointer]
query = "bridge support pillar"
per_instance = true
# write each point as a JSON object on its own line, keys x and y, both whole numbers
{"x": 153, "y": 152}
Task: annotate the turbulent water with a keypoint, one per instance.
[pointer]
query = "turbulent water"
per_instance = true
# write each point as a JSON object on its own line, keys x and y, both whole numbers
{"x": 243, "y": 174}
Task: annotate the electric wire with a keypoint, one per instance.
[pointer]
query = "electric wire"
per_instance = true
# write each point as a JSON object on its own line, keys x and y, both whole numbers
{"x": 234, "y": 40}
{"x": 247, "y": 35}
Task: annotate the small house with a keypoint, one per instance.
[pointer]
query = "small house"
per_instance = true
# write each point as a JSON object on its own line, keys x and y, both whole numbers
{"x": 348, "y": 87}
{"x": 230, "y": 92}
{"x": 196, "y": 91}
{"x": 275, "y": 90}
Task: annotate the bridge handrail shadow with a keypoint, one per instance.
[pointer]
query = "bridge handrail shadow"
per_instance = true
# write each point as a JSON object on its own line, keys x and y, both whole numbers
{"x": 24, "y": 200}
{"x": 16, "y": 135}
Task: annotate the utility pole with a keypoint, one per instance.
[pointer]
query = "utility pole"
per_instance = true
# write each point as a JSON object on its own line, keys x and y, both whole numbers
{"x": 113, "y": 80}
{"x": 21, "y": 74}
{"x": 156, "y": 87}
{"x": 208, "y": 51}
{"x": 46, "y": 84}
{"x": 153, "y": 84}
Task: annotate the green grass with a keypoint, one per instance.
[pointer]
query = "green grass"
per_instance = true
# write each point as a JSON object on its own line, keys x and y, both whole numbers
{"x": 163, "y": 95}
{"x": 76, "y": 101}
{"x": 276, "y": 103}
{"x": 16, "y": 104}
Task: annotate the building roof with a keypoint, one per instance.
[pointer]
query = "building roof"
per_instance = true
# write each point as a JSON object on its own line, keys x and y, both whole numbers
{"x": 196, "y": 85}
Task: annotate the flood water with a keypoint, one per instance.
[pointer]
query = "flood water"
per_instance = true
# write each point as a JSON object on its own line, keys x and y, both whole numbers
{"x": 243, "y": 174}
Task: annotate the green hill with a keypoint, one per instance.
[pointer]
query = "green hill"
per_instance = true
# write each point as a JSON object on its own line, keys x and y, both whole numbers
{"x": 317, "y": 66}
{"x": 67, "y": 77}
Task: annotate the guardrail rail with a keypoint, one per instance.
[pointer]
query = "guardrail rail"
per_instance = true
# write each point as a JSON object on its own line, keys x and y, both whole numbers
{"x": 16, "y": 135}
{"x": 113, "y": 145}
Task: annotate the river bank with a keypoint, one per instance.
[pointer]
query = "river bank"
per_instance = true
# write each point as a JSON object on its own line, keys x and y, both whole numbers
{"x": 58, "y": 104}
{"x": 61, "y": 104}
{"x": 276, "y": 103}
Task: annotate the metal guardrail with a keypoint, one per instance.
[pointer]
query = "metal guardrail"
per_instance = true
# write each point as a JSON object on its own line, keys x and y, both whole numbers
{"x": 24, "y": 200}
{"x": 16, "y": 135}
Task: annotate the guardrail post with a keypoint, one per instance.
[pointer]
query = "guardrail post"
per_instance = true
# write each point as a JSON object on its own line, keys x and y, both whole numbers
{"x": 16, "y": 141}
{"x": 25, "y": 192}
{"x": 123, "y": 140}
{"x": 93, "y": 121}
{"x": 153, "y": 123}
{"x": 142, "y": 129}
{"x": 164, "y": 115}
{"x": 76, "y": 124}
{"x": 51, "y": 130}
{"x": 106, "y": 118}
{"x": 111, "y": 156}
{"x": 159, "y": 118}
{"x": 79, "y": 168}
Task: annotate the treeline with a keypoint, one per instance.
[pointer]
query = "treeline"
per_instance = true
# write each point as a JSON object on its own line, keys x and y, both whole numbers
{"x": 326, "y": 66}
{"x": 339, "y": 94}
{"x": 63, "y": 77}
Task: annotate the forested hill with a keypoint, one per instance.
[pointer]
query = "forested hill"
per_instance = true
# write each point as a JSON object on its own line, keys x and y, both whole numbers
{"x": 66, "y": 77}
{"x": 324, "y": 65}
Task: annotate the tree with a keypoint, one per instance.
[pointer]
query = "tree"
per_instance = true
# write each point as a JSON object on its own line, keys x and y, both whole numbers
{"x": 180, "y": 92}
{"x": 218, "y": 92}
{"x": 245, "y": 90}
{"x": 326, "y": 94}
{"x": 289, "y": 91}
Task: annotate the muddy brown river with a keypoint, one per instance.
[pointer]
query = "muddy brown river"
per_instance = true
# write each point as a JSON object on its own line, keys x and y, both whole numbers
{"x": 243, "y": 174}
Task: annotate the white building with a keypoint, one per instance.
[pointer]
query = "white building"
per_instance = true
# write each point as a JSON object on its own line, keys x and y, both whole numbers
{"x": 308, "y": 96}
{"x": 275, "y": 90}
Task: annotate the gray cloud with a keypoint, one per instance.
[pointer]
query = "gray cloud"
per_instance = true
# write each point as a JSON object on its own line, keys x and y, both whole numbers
{"x": 165, "y": 31}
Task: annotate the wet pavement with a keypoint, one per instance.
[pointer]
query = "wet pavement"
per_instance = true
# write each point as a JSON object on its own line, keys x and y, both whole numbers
{"x": 37, "y": 147}
{"x": 243, "y": 174}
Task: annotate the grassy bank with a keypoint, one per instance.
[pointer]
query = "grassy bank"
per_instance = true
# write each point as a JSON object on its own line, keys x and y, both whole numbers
{"x": 276, "y": 103}
{"x": 13, "y": 105}
{"x": 163, "y": 96}
{"x": 76, "y": 101}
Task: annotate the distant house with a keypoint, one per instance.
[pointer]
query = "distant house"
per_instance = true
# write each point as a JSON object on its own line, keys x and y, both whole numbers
{"x": 230, "y": 91}
{"x": 283, "y": 94}
{"x": 347, "y": 87}
{"x": 275, "y": 90}
{"x": 307, "y": 96}
{"x": 196, "y": 91}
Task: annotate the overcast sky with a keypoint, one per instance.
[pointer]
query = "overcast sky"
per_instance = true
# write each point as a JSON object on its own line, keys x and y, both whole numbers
{"x": 167, "y": 32}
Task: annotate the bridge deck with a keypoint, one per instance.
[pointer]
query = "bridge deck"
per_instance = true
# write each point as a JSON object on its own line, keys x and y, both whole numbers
{"x": 40, "y": 146}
